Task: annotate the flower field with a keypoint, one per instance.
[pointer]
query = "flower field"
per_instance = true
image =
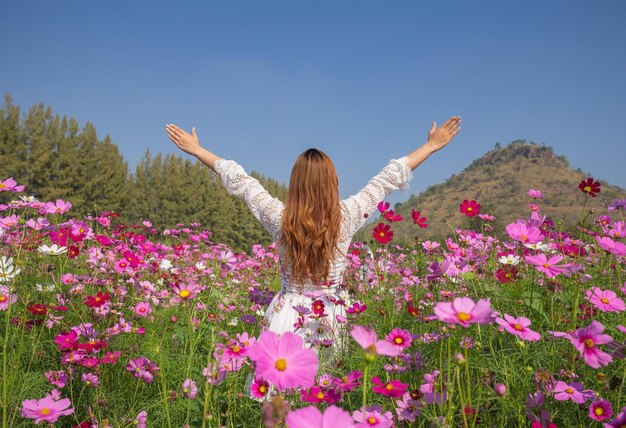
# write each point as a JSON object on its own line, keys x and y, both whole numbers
{"x": 109, "y": 324}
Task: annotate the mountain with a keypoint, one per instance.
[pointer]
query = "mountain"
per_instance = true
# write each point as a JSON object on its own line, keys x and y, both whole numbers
{"x": 499, "y": 181}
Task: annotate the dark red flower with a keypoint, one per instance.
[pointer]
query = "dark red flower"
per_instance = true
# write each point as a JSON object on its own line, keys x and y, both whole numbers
{"x": 469, "y": 208}
{"x": 318, "y": 307}
{"x": 72, "y": 252}
{"x": 391, "y": 216}
{"x": 38, "y": 309}
{"x": 420, "y": 221}
{"x": 590, "y": 187}
{"x": 98, "y": 300}
{"x": 383, "y": 233}
{"x": 506, "y": 274}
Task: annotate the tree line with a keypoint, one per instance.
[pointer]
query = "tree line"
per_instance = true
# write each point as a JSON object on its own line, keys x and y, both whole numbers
{"x": 56, "y": 158}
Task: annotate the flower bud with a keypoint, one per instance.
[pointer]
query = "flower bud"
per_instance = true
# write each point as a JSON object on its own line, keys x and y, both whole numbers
{"x": 500, "y": 389}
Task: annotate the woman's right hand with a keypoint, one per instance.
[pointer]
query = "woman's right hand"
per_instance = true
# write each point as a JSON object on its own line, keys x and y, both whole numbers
{"x": 439, "y": 137}
{"x": 188, "y": 143}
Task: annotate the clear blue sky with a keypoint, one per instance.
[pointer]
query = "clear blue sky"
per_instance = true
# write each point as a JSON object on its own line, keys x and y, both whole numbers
{"x": 362, "y": 80}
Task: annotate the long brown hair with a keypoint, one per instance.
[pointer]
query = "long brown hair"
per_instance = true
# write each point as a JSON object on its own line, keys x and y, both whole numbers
{"x": 311, "y": 219}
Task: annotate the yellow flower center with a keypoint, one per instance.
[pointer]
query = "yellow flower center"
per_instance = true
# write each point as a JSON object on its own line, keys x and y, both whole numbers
{"x": 45, "y": 411}
{"x": 262, "y": 389}
{"x": 599, "y": 411}
{"x": 463, "y": 316}
{"x": 569, "y": 390}
{"x": 589, "y": 343}
{"x": 388, "y": 387}
{"x": 604, "y": 300}
{"x": 518, "y": 327}
{"x": 587, "y": 189}
{"x": 371, "y": 420}
{"x": 399, "y": 340}
{"x": 381, "y": 234}
{"x": 546, "y": 265}
{"x": 320, "y": 395}
{"x": 3, "y": 298}
{"x": 236, "y": 349}
{"x": 469, "y": 209}
{"x": 524, "y": 238}
{"x": 184, "y": 293}
{"x": 281, "y": 365}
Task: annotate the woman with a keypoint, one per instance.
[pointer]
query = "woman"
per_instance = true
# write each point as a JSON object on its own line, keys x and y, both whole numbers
{"x": 313, "y": 227}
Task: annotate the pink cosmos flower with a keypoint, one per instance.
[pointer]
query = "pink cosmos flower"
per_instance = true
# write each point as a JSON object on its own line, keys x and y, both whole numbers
{"x": 393, "y": 388}
{"x": 316, "y": 395}
{"x": 573, "y": 391}
{"x": 518, "y": 327}
{"x": 46, "y": 409}
{"x": 585, "y": 341}
{"x": 600, "y": 410}
{"x": 58, "y": 207}
{"x": 190, "y": 389}
{"x": 142, "y": 309}
{"x": 10, "y": 185}
{"x": 605, "y": 300}
{"x": 367, "y": 339}
{"x": 535, "y": 194}
{"x": 66, "y": 341}
{"x": 547, "y": 266}
{"x": 140, "y": 420}
{"x": 519, "y": 231}
{"x": 464, "y": 311}
{"x": 610, "y": 246}
{"x": 400, "y": 338}
{"x": 282, "y": 360}
{"x": 90, "y": 379}
{"x": 5, "y": 297}
{"x": 311, "y": 416}
{"x": 373, "y": 417}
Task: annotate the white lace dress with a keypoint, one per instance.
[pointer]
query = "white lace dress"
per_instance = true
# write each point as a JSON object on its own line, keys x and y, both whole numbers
{"x": 281, "y": 315}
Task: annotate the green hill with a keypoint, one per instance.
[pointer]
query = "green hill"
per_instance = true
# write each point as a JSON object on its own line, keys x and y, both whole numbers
{"x": 499, "y": 181}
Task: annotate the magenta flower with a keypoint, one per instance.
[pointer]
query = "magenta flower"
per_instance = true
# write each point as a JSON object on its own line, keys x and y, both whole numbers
{"x": 523, "y": 233}
{"x": 464, "y": 311}
{"x": 46, "y": 409}
{"x": 282, "y": 360}
{"x": 393, "y": 388}
{"x": 585, "y": 341}
{"x": 574, "y": 391}
{"x": 548, "y": 266}
{"x": 618, "y": 422}
{"x": 518, "y": 327}
{"x": 310, "y": 417}
{"x": 535, "y": 194}
{"x": 373, "y": 417}
{"x": 66, "y": 341}
{"x": 605, "y": 300}
{"x": 259, "y": 388}
{"x": 348, "y": 382}
{"x": 367, "y": 339}
{"x": 400, "y": 338}
{"x": 600, "y": 410}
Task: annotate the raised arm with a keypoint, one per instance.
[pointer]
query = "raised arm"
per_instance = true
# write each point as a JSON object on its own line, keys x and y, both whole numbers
{"x": 190, "y": 144}
{"x": 396, "y": 175}
{"x": 438, "y": 138}
{"x": 236, "y": 181}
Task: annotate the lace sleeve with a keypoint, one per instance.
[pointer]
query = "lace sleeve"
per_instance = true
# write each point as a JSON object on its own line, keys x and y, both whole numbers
{"x": 396, "y": 175}
{"x": 264, "y": 207}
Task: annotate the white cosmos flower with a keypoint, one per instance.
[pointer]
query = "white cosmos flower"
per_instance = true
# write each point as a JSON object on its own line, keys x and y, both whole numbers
{"x": 537, "y": 246}
{"x": 165, "y": 264}
{"x": 29, "y": 199}
{"x": 200, "y": 266}
{"x": 40, "y": 287}
{"x": 7, "y": 272}
{"x": 53, "y": 250}
{"x": 509, "y": 259}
